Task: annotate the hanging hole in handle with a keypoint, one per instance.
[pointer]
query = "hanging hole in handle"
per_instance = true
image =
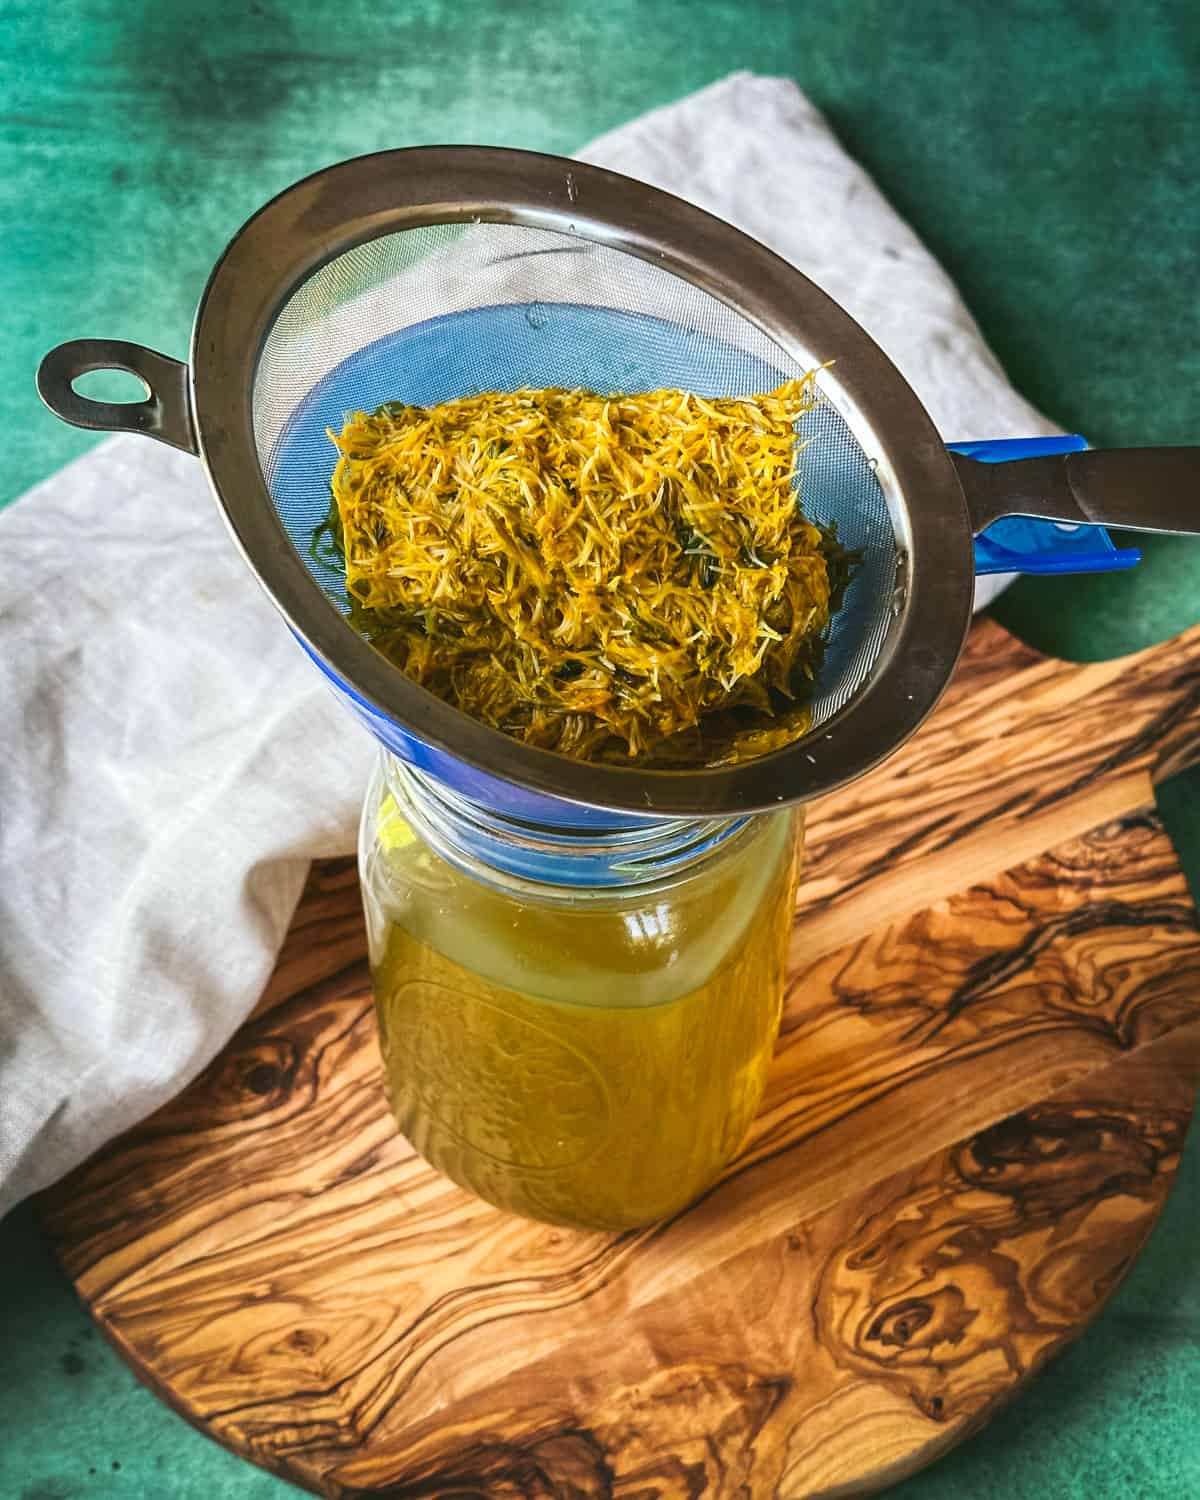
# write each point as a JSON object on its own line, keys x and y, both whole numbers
{"x": 163, "y": 412}
{"x": 113, "y": 387}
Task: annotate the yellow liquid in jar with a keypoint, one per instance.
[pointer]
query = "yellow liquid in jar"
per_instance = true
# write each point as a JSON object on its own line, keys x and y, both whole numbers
{"x": 552, "y": 1065}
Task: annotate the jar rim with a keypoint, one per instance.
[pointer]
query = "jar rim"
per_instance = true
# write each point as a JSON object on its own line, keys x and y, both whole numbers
{"x": 488, "y": 844}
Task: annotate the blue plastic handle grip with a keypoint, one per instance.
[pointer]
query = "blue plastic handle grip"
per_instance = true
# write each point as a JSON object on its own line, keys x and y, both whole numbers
{"x": 1020, "y": 544}
{"x": 1005, "y": 450}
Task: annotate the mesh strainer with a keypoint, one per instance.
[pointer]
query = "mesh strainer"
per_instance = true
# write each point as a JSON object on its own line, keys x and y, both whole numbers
{"x": 427, "y": 274}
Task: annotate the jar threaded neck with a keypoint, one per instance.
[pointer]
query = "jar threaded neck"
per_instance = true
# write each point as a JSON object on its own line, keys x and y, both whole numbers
{"x": 468, "y": 835}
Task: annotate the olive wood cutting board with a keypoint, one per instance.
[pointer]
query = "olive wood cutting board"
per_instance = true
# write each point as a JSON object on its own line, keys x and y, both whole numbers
{"x": 988, "y": 1061}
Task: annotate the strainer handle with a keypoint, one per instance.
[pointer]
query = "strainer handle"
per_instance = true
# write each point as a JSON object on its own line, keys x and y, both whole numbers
{"x": 1138, "y": 489}
{"x": 166, "y": 414}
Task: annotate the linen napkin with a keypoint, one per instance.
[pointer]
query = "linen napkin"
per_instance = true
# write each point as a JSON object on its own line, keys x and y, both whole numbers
{"x": 172, "y": 763}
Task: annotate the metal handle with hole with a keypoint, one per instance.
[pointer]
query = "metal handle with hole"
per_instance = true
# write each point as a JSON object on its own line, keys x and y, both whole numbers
{"x": 166, "y": 414}
{"x": 1138, "y": 489}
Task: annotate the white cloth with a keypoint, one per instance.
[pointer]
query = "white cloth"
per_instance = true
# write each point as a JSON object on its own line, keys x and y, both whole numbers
{"x": 172, "y": 762}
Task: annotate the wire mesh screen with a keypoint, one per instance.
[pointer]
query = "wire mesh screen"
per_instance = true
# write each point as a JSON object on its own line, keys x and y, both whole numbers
{"x": 433, "y": 313}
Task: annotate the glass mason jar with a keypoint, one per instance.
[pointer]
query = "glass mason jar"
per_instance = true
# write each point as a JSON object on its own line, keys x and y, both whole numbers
{"x": 575, "y": 1026}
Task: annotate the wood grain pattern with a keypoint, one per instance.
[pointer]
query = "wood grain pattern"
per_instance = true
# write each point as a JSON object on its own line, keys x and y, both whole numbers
{"x": 988, "y": 1061}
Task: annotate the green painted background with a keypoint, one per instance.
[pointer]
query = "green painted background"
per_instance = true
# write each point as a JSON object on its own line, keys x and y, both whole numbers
{"x": 1048, "y": 153}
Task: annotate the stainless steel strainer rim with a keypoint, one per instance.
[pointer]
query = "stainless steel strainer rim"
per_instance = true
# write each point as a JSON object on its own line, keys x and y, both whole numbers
{"x": 346, "y": 205}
